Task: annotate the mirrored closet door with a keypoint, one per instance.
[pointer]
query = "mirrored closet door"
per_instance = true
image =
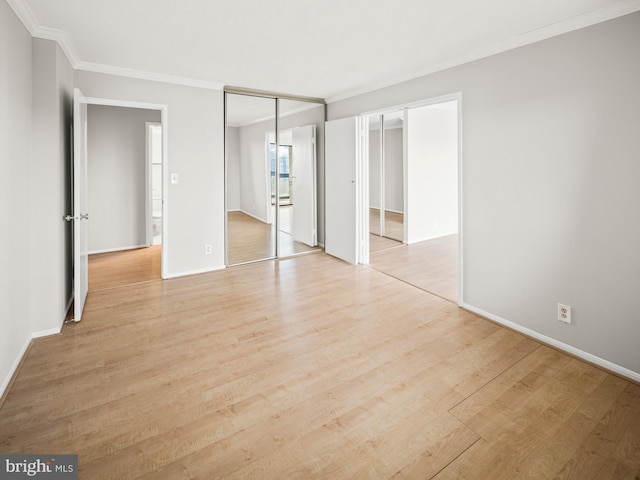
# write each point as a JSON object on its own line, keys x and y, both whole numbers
{"x": 271, "y": 149}
{"x": 386, "y": 175}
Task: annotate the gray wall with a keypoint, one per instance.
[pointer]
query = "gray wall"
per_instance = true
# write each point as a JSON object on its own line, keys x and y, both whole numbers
{"x": 116, "y": 174}
{"x": 50, "y": 178}
{"x": 394, "y": 188}
{"x": 195, "y": 151}
{"x": 393, "y": 171}
{"x": 550, "y": 170}
{"x": 35, "y": 280}
{"x": 15, "y": 191}
{"x": 232, "y": 144}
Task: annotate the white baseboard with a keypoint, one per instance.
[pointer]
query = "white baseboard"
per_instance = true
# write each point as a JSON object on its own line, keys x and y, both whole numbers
{"x": 195, "y": 272}
{"x": 118, "y": 249}
{"x": 257, "y": 218}
{"x": 14, "y": 367}
{"x": 46, "y": 333}
{"x": 601, "y": 362}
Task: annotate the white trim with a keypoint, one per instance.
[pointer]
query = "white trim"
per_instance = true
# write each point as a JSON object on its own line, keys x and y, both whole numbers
{"x": 257, "y": 218}
{"x": 196, "y": 272}
{"x": 460, "y": 203}
{"x": 145, "y": 75}
{"x": 448, "y": 97}
{"x": 149, "y": 180}
{"x": 118, "y": 249}
{"x": 601, "y": 362}
{"x": 548, "y": 31}
{"x": 46, "y": 333}
{"x": 14, "y": 367}
{"x": 114, "y": 102}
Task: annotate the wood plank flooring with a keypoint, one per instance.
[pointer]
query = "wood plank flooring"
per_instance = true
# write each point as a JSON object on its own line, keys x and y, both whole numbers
{"x": 249, "y": 239}
{"x": 431, "y": 265}
{"x": 311, "y": 368}
{"x": 127, "y": 267}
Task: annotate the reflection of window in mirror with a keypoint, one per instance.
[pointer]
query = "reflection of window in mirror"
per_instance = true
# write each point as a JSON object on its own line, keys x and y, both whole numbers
{"x": 285, "y": 157}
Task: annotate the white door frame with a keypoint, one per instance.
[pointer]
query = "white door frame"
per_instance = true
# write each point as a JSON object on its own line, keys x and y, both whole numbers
{"x": 149, "y": 181}
{"x": 457, "y": 96}
{"x": 164, "y": 121}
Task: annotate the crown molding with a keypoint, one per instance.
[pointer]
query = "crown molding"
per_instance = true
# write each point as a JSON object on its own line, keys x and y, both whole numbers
{"x": 145, "y": 75}
{"x": 547, "y": 31}
{"x": 28, "y": 19}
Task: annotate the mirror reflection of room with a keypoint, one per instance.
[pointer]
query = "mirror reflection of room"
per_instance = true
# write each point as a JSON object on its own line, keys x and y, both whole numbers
{"x": 250, "y": 234}
{"x": 386, "y": 177}
{"x": 298, "y": 192}
{"x": 271, "y": 178}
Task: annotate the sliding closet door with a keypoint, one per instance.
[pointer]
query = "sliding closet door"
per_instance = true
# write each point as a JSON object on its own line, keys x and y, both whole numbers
{"x": 250, "y": 148}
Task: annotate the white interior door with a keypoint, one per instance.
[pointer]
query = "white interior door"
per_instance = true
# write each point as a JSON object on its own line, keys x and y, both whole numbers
{"x": 346, "y": 229}
{"x": 80, "y": 205}
{"x": 303, "y": 214}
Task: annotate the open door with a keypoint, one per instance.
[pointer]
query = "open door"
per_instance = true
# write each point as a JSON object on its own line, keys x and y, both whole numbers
{"x": 80, "y": 205}
{"x": 346, "y": 176}
{"x": 303, "y": 216}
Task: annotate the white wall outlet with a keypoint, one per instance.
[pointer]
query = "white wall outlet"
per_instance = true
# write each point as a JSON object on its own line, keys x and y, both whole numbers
{"x": 564, "y": 313}
{"x": 208, "y": 249}
{"x": 175, "y": 178}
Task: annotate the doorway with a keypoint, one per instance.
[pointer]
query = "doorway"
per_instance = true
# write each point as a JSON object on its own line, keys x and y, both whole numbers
{"x": 82, "y": 217}
{"x": 429, "y": 256}
{"x": 431, "y": 249}
{"x": 124, "y": 175}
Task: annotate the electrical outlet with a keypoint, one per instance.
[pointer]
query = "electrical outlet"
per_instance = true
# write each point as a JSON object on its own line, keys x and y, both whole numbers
{"x": 208, "y": 249}
{"x": 564, "y": 313}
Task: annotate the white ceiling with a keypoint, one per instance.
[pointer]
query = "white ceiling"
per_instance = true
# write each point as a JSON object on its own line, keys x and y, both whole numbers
{"x": 329, "y": 48}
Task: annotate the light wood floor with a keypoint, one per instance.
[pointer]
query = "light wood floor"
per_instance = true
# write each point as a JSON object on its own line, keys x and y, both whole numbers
{"x": 431, "y": 265}
{"x": 377, "y": 243}
{"x": 113, "y": 269}
{"x": 249, "y": 239}
{"x": 309, "y": 368}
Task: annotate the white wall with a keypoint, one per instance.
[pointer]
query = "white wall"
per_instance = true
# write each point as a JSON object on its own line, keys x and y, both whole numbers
{"x": 195, "y": 151}
{"x": 432, "y": 173}
{"x": 550, "y": 142}
{"x": 116, "y": 175}
{"x": 15, "y": 191}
